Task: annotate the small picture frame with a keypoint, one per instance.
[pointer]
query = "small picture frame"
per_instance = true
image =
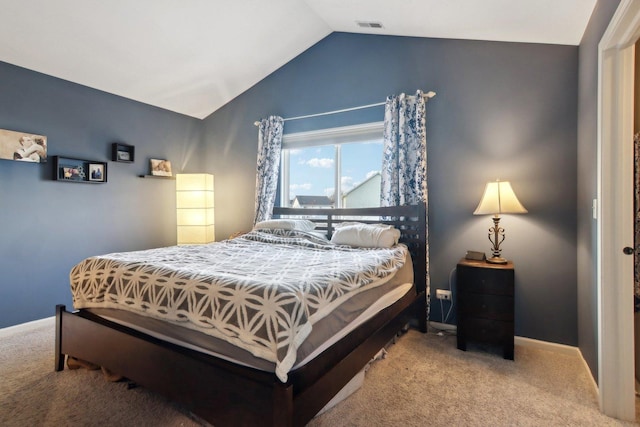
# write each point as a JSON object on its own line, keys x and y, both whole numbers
{"x": 97, "y": 172}
{"x": 124, "y": 153}
{"x": 71, "y": 172}
{"x": 160, "y": 167}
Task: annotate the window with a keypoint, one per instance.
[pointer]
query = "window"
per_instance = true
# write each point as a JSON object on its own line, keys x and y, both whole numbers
{"x": 338, "y": 167}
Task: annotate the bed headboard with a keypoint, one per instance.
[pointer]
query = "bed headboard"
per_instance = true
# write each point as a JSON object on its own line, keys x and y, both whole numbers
{"x": 411, "y": 220}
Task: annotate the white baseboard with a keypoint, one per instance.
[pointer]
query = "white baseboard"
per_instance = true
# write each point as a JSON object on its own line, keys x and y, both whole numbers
{"x": 25, "y": 327}
{"x": 548, "y": 346}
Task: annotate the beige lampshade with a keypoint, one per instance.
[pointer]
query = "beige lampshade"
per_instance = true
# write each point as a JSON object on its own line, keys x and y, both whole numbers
{"x": 499, "y": 198}
{"x": 195, "y": 208}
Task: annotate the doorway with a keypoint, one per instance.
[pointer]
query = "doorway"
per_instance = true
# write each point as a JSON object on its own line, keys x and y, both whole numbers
{"x": 616, "y": 381}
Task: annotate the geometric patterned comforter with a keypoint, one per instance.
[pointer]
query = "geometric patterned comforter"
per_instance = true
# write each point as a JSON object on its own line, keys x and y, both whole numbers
{"x": 262, "y": 292}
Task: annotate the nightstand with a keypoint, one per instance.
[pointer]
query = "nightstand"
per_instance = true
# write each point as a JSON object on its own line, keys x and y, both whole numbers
{"x": 485, "y": 295}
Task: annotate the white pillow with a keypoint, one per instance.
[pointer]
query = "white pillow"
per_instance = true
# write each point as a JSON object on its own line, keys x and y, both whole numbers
{"x": 285, "y": 224}
{"x": 366, "y": 235}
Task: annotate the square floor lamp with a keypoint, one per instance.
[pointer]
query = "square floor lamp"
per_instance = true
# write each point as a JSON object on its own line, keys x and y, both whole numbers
{"x": 498, "y": 198}
{"x": 194, "y": 208}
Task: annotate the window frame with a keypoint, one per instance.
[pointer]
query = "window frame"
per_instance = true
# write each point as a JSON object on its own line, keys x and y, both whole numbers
{"x": 336, "y": 136}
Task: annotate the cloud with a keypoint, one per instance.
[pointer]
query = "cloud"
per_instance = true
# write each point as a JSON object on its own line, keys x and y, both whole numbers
{"x": 320, "y": 163}
{"x": 371, "y": 173}
{"x": 305, "y": 187}
{"x": 346, "y": 183}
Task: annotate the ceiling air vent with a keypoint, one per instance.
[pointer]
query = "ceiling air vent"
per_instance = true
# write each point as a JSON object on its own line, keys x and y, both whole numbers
{"x": 369, "y": 24}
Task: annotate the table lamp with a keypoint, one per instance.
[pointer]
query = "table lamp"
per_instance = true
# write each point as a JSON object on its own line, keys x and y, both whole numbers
{"x": 498, "y": 198}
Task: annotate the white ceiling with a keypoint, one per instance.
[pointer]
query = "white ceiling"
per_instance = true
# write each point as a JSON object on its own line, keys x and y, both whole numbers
{"x": 194, "y": 56}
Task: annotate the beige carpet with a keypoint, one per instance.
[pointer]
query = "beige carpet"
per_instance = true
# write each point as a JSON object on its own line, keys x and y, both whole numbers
{"x": 424, "y": 380}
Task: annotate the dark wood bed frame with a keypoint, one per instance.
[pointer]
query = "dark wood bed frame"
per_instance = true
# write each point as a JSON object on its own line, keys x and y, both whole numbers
{"x": 226, "y": 394}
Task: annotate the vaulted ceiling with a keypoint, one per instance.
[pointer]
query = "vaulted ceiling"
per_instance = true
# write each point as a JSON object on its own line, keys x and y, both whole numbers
{"x": 194, "y": 56}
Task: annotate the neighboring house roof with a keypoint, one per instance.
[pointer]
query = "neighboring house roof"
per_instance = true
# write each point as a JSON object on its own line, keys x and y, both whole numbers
{"x": 313, "y": 201}
{"x": 361, "y": 184}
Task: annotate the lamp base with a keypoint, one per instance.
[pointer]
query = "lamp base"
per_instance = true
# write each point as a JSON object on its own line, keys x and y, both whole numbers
{"x": 497, "y": 260}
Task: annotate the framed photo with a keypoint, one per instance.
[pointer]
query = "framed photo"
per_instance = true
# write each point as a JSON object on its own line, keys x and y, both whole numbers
{"x": 72, "y": 172}
{"x": 96, "y": 172}
{"x": 24, "y": 147}
{"x": 160, "y": 167}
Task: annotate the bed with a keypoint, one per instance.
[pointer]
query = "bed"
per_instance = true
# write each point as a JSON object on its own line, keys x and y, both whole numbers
{"x": 221, "y": 390}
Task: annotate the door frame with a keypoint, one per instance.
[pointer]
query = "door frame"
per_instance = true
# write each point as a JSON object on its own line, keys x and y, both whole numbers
{"x": 616, "y": 374}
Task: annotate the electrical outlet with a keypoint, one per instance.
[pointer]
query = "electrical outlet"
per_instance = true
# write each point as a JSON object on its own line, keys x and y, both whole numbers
{"x": 443, "y": 294}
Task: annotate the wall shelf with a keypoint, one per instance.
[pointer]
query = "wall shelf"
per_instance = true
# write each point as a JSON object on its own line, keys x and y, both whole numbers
{"x": 69, "y": 169}
{"x": 158, "y": 177}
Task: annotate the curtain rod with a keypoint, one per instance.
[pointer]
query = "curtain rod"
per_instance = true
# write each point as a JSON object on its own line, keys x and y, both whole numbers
{"x": 429, "y": 94}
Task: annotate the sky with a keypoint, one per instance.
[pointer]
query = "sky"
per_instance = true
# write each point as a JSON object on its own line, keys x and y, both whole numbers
{"x": 312, "y": 169}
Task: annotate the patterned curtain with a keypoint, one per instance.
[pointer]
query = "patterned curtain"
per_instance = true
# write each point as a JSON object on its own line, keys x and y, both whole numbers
{"x": 404, "y": 158}
{"x": 269, "y": 148}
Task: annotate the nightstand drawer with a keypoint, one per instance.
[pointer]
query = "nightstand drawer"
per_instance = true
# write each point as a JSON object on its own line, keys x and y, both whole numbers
{"x": 497, "y": 307}
{"x": 489, "y": 331}
{"x": 486, "y": 280}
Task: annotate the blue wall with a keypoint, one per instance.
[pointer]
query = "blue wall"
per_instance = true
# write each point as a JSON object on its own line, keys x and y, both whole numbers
{"x": 502, "y": 110}
{"x": 48, "y": 226}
